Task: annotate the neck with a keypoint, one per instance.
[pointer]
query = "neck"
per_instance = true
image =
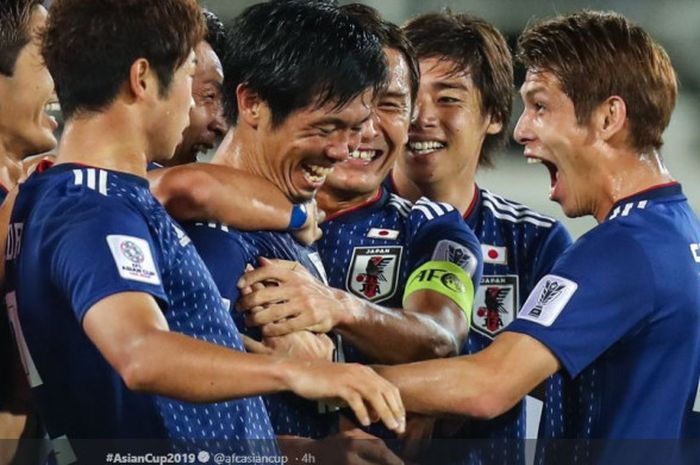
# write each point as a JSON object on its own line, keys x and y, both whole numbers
{"x": 238, "y": 150}
{"x": 457, "y": 190}
{"x": 10, "y": 168}
{"x": 626, "y": 174}
{"x": 334, "y": 201}
{"x": 112, "y": 140}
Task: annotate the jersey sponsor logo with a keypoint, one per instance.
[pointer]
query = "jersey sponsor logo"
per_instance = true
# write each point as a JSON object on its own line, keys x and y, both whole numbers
{"x": 453, "y": 252}
{"x": 374, "y": 272}
{"x": 494, "y": 254}
{"x": 133, "y": 258}
{"x": 548, "y": 299}
{"x": 694, "y": 249}
{"x": 379, "y": 233}
{"x": 496, "y": 304}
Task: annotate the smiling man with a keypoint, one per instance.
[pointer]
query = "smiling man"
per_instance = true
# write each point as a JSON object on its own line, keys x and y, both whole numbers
{"x": 619, "y": 313}
{"x": 297, "y": 98}
{"x": 463, "y": 108}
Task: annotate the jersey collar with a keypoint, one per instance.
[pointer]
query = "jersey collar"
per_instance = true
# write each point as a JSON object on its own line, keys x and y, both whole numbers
{"x": 471, "y": 214}
{"x": 132, "y": 178}
{"x": 363, "y": 209}
{"x": 652, "y": 193}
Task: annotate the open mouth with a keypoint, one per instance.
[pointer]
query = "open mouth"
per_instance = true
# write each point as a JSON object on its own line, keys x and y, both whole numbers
{"x": 51, "y": 109}
{"x": 315, "y": 174}
{"x": 425, "y": 147}
{"x": 551, "y": 167}
{"x": 365, "y": 155}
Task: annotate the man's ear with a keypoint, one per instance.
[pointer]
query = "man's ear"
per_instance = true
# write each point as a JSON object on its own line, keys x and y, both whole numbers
{"x": 249, "y": 105}
{"x": 610, "y": 117}
{"x": 140, "y": 79}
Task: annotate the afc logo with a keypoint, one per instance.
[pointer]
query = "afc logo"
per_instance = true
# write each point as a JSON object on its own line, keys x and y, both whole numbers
{"x": 695, "y": 250}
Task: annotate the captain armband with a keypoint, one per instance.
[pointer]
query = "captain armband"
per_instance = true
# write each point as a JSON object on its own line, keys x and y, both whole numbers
{"x": 446, "y": 278}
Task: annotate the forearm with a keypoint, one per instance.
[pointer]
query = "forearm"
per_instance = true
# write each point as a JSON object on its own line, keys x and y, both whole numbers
{"x": 484, "y": 385}
{"x": 393, "y": 336}
{"x": 214, "y": 192}
{"x": 201, "y": 372}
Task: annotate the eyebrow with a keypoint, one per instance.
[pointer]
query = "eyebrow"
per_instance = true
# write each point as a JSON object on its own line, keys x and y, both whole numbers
{"x": 532, "y": 90}
{"x": 395, "y": 94}
{"x": 340, "y": 123}
{"x": 442, "y": 85}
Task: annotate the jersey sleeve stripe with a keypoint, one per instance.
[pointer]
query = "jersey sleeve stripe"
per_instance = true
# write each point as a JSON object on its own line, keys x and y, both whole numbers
{"x": 514, "y": 219}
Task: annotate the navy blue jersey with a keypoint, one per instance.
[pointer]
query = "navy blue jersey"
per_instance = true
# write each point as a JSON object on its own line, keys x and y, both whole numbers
{"x": 519, "y": 246}
{"x": 621, "y": 312}
{"x": 373, "y": 249}
{"x": 86, "y": 234}
{"x": 5, "y": 340}
{"x": 226, "y": 251}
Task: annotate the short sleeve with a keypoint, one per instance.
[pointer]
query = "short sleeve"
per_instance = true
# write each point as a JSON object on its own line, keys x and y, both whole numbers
{"x": 106, "y": 248}
{"x": 597, "y": 293}
{"x": 446, "y": 238}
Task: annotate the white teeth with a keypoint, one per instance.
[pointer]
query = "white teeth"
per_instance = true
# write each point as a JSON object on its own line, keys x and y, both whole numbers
{"x": 52, "y": 107}
{"x": 315, "y": 173}
{"x": 366, "y": 155}
{"x": 532, "y": 161}
{"x": 425, "y": 146}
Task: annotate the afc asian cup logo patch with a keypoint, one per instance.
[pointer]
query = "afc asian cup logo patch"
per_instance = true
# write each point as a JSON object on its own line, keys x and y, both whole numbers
{"x": 133, "y": 258}
{"x": 132, "y": 251}
{"x": 548, "y": 299}
{"x": 374, "y": 272}
{"x": 495, "y": 304}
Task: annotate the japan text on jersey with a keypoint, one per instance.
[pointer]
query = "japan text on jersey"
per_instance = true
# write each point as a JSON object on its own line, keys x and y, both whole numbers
{"x": 88, "y": 234}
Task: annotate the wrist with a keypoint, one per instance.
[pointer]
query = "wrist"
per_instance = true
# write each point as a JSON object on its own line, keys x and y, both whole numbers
{"x": 298, "y": 217}
{"x": 348, "y": 309}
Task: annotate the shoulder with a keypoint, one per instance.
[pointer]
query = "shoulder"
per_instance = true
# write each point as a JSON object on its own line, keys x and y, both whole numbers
{"x": 515, "y": 213}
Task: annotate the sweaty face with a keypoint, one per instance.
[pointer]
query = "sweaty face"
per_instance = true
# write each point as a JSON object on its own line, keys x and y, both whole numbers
{"x": 383, "y": 136}
{"x": 172, "y": 112}
{"x": 25, "y": 127}
{"x": 207, "y": 125}
{"x": 550, "y": 133}
{"x": 301, "y": 152}
{"x": 446, "y": 137}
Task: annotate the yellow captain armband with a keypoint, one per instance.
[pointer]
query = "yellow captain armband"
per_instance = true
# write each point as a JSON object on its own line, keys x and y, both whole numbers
{"x": 446, "y": 278}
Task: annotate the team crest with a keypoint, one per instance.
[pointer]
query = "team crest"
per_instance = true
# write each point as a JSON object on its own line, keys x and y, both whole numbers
{"x": 374, "y": 272}
{"x": 495, "y": 304}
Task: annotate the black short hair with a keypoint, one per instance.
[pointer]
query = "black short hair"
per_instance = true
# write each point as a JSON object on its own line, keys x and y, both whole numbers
{"x": 390, "y": 36}
{"x": 295, "y": 53}
{"x": 216, "y": 33}
{"x": 14, "y": 31}
{"x": 90, "y": 45}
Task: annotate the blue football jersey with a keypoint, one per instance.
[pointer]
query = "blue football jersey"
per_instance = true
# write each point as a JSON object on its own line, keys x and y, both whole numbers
{"x": 372, "y": 249}
{"x": 226, "y": 251}
{"x": 5, "y": 339}
{"x": 519, "y": 246}
{"x": 621, "y": 312}
{"x": 86, "y": 234}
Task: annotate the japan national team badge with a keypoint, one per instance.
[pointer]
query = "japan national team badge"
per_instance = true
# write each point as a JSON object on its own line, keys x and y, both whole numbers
{"x": 495, "y": 304}
{"x": 374, "y": 272}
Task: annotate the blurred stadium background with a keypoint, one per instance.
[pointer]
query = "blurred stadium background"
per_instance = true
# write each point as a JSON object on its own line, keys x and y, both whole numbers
{"x": 674, "y": 24}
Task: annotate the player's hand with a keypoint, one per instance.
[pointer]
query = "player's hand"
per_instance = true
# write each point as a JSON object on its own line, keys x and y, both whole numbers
{"x": 419, "y": 432}
{"x": 356, "y": 447}
{"x": 302, "y": 345}
{"x": 298, "y": 302}
{"x": 352, "y": 447}
{"x": 366, "y": 393}
{"x": 311, "y": 232}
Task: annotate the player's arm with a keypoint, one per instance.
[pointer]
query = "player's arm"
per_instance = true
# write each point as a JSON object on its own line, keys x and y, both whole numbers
{"x": 484, "y": 385}
{"x": 431, "y": 324}
{"x": 204, "y": 191}
{"x": 129, "y": 329}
